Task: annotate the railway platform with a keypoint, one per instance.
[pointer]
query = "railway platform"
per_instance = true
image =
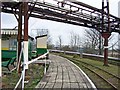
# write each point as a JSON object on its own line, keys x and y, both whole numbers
{"x": 63, "y": 74}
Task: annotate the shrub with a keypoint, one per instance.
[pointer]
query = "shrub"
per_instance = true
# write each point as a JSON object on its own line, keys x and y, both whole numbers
{"x": 76, "y": 56}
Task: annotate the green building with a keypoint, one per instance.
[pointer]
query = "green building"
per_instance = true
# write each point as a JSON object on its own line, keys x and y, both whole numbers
{"x": 9, "y": 43}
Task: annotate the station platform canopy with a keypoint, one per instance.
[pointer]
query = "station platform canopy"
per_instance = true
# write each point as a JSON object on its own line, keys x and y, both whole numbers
{"x": 9, "y": 32}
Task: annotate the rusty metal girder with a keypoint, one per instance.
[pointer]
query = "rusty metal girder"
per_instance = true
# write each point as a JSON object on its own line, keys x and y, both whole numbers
{"x": 84, "y": 15}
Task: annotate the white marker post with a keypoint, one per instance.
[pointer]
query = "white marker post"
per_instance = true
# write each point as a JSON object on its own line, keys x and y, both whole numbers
{"x": 25, "y": 43}
{"x": 25, "y": 51}
{"x": 45, "y": 66}
{"x": 17, "y": 57}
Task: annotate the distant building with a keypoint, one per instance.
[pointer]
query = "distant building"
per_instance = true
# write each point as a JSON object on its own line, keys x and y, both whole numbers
{"x": 119, "y": 9}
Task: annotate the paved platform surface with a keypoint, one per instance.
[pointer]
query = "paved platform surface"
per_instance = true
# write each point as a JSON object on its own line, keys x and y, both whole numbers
{"x": 63, "y": 74}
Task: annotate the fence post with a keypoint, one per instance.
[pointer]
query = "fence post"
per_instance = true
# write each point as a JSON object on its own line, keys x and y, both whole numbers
{"x": 45, "y": 66}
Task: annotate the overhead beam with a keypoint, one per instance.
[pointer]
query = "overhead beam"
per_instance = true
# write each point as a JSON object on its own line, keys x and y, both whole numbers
{"x": 40, "y": 15}
{"x": 84, "y": 5}
{"x": 51, "y": 11}
{"x": 90, "y": 7}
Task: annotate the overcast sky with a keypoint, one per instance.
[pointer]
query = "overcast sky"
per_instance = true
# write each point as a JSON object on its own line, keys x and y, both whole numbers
{"x": 56, "y": 28}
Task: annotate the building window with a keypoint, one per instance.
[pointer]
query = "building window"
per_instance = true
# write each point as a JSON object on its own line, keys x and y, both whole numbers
{"x": 13, "y": 44}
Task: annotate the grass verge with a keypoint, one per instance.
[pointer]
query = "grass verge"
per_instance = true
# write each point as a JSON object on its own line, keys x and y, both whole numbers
{"x": 100, "y": 84}
{"x": 34, "y": 73}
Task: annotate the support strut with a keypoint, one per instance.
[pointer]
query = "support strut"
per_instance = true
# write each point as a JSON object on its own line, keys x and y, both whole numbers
{"x": 0, "y": 47}
{"x": 19, "y": 36}
{"x": 26, "y": 34}
{"x": 106, "y": 36}
{"x": 105, "y": 30}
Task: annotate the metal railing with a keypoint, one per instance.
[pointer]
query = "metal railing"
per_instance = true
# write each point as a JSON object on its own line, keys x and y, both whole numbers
{"x": 22, "y": 78}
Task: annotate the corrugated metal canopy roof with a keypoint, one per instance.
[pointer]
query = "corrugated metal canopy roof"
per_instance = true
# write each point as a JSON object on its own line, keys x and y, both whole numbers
{"x": 9, "y": 32}
{"x": 12, "y": 32}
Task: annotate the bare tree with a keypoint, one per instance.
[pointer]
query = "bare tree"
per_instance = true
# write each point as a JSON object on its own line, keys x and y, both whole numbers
{"x": 75, "y": 41}
{"x": 79, "y": 41}
{"x": 115, "y": 47}
{"x": 60, "y": 41}
{"x": 94, "y": 40}
{"x": 112, "y": 48}
{"x": 71, "y": 39}
{"x": 49, "y": 41}
{"x": 56, "y": 45}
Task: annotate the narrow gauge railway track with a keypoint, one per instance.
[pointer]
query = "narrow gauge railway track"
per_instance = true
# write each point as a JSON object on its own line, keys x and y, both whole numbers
{"x": 111, "y": 79}
{"x": 99, "y": 69}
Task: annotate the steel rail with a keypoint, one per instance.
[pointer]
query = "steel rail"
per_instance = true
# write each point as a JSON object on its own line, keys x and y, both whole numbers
{"x": 99, "y": 69}
{"x": 101, "y": 77}
{"x": 96, "y": 74}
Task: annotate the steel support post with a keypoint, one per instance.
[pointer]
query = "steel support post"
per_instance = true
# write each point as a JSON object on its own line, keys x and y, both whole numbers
{"x": 19, "y": 37}
{"x": 0, "y": 49}
{"x": 106, "y": 52}
{"x": 119, "y": 56}
{"x": 105, "y": 31}
{"x": 102, "y": 15}
{"x": 106, "y": 36}
{"x": 108, "y": 16}
{"x": 26, "y": 34}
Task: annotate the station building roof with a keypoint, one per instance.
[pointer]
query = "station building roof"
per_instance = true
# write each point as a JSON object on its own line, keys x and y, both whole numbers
{"x": 12, "y": 32}
{"x": 9, "y": 32}
{"x": 40, "y": 36}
